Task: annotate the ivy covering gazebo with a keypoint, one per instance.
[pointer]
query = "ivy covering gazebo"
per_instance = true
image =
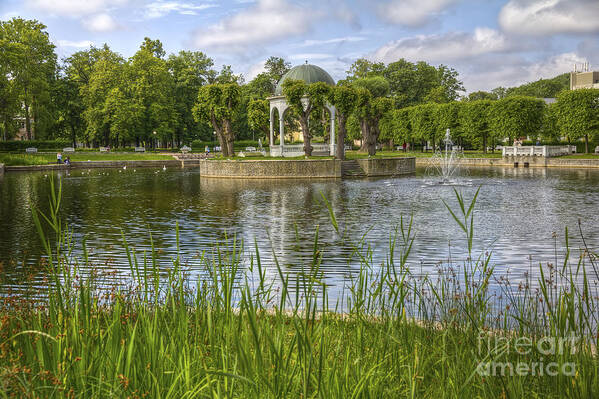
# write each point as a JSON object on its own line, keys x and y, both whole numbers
{"x": 309, "y": 74}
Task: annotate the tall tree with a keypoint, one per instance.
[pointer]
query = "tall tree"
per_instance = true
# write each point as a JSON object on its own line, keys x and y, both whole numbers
{"x": 303, "y": 99}
{"x": 517, "y": 116}
{"x": 578, "y": 114}
{"x": 474, "y": 119}
{"x": 107, "y": 73}
{"x": 190, "y": 71}
{"x": 217, "y": 105}
{"x": 152, "y": 89}
{"x": 276, "y": 67}
{"x": 344, "y": 99}
{"x": 31, "y": 62}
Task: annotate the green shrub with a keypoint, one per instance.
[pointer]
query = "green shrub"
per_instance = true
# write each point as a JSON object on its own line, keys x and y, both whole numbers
{"x": 41, "y": 145}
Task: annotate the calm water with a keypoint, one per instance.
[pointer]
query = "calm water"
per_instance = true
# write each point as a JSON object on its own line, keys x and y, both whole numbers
{"x": 517, "y": 214}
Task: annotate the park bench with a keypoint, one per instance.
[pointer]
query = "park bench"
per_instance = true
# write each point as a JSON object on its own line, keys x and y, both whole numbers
{"x": 104, "y": 149}
{"x": 68, "y": 149}
{"x": 597, "y": 150}
{"x": 217, "y": 148}
{"x": 347, "y": 147}
{"x": 250, "y": 149}
{"x": 140, "y": 149}
{"x": 31, "y": 150}
{"x": 185, "y": 149}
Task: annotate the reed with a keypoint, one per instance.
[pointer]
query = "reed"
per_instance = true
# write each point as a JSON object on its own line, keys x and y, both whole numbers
{"x": 237, "y": 333}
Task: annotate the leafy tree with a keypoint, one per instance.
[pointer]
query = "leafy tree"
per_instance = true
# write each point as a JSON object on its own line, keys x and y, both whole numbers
{"x": 217, "y": 105}
{"x": 578, "y": 114}
{"x": 447, "y": 117}
{"x": 276, "y": 67}
{"x": 363, "y": 68}
{"x": 474, "y": 119}
{"x": 190, "y": 70}
{"x": 303, "y": 99}
{"x": 106, "y": 74}
{"x": 370, "y": 111}
{"x": 152, "y": 89}
{"x": 422, "y": 122}
{"x": 258, "y": 116}
{"x": 482, "y": 95}
{"x": 154, "y": 47}
{"x": 542, "y": 88}
{"x": 344, "y": 99}
{"x": 517, "y": 116}
{"x": 9, "y": 103}
{"x": 549, "y": 128}
{"x": 30, "y": 62}
{"x": 402, "y": 127}
{"x": 378, "y": 86}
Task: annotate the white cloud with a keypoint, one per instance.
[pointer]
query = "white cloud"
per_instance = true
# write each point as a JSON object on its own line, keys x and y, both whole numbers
{"x": 337, "y": 40}
{"x": 513, "y": 70}
{"x": 265, "y": 21}
{"x": 485, "y": 58}
{"x": 159, "y": 9}
{"x": 310, "y": 56}
{"x": 254, "y": 70}
{"x": 79, "y": 44}
{"x": 101, "y": 23}
{"x": 444, "y": 48}
{"x": 542, "y": 17}
{"x": 74, "y": 8}
{"x": 412, "y": 12}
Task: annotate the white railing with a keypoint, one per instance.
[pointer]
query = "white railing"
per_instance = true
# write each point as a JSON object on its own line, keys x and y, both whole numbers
{"x": 297, "y": 150}
{"x": 538, "y": 151}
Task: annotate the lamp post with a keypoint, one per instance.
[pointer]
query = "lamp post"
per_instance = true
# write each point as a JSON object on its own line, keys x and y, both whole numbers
{"x": 154, "y": 132}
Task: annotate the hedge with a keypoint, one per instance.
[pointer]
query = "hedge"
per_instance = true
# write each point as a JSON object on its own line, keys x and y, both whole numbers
{"x": 48, "y": 145}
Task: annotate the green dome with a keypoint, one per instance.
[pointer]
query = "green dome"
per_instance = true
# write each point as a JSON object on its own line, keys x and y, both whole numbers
{"x": 306, "y": 72}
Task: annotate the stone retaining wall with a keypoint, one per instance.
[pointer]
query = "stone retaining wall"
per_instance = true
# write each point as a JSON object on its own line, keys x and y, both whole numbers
{"x": 272, "y": 169}
{"x": 387, "y": 166}
{"x": 169, "y": 163}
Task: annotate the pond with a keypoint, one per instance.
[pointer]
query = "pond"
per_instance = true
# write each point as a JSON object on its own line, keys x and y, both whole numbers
{"x": 520, "y": 217}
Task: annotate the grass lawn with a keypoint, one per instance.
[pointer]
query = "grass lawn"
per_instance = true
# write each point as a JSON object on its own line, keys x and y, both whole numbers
{"x": 14, "y": 159}
{"x": 417, "y": 154}
{"x": 581, "y": 156}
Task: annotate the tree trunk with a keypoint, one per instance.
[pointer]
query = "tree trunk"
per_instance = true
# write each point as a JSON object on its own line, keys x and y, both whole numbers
{"x": 73, "y": 136}
{"x": 229, "y": 137}
{"x": 484, "y": 143}
{"x": 373, "y": 137}
{"x": 341, "y": 121}
{"x": 219, "y": 135}
{"x": 27, "y": 121}
{"x": 586, "y": 143}
{"x": 306, "y": 133}
{"x": 365, "y": 129}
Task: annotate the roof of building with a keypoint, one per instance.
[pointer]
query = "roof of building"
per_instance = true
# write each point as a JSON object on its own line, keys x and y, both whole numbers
{"x": 306, "y": 72}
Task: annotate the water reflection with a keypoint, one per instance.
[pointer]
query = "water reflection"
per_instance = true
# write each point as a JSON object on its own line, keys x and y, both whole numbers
{"x": 518, "y": 212}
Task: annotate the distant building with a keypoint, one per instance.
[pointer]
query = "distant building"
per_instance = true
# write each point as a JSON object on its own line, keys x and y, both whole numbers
{"x": 585, "y": 79}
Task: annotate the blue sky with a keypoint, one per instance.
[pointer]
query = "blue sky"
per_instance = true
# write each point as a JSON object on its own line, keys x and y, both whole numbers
{"x": 490, "y": 42}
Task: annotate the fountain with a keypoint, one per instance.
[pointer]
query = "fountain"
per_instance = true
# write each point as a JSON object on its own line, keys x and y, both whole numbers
{"x": 445, "y": 163}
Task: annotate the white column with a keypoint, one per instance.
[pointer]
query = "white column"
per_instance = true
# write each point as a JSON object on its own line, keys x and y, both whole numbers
{"x": 282, "y": 131}
{"x": 332, "y": 111}
{"x": 272, "y": 133}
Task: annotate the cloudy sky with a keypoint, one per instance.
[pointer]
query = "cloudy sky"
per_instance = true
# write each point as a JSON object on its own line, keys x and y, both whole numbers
{"x": 490, "y": 42}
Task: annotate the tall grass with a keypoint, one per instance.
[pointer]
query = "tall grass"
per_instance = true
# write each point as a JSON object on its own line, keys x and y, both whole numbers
{"x": 238, "y": 333}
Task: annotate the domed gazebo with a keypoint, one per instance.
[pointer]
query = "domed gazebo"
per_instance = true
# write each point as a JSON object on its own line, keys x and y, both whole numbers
{"x": 309, "y": 74}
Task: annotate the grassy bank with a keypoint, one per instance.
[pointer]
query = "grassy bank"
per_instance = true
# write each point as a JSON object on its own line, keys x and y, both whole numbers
{"x": 12, "y": 159}
{"x": 238, "y": 333}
